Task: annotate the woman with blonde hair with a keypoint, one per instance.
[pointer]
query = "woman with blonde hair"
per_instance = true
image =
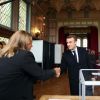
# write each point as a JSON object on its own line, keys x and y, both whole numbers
{"x": 18, "y": 68}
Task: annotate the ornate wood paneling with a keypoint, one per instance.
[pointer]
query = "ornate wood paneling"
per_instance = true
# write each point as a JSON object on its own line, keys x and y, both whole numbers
{"x": 4, "y": 32}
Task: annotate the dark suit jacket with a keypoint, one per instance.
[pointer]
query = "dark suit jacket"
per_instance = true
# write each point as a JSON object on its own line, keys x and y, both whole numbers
{"x": 68, "y": 63}
{"x": 17, "y": 76}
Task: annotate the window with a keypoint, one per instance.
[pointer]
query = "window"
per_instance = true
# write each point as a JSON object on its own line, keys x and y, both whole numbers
{"x": 79, "y": 42}
{"x": 85, "y": 42}
{"x": 22, "y": 15}
{"x": 82, "y": 42}
{"x": 5, "y": 13}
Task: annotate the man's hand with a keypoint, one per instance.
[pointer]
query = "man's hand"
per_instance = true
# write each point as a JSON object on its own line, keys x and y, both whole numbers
{"x": 57, "y": 71}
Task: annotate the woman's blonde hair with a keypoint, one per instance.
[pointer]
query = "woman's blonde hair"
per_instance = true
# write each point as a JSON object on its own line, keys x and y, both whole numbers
{"x": 18, "y": 40}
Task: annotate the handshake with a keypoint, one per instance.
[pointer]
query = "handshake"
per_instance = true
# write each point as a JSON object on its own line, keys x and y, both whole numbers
{"x": 57, "y": 71}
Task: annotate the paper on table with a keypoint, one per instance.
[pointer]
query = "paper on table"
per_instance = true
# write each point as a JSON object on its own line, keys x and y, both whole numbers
{"x": 98, "y": 73}
{"x": 98, "y": 64}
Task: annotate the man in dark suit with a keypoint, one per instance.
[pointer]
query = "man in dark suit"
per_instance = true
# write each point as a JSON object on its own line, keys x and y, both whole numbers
{"x": 74, "y": 59}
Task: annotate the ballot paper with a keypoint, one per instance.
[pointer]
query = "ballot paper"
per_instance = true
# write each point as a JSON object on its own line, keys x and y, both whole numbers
{"x": 98, "y": 64}
{"x": 94, "y": 73}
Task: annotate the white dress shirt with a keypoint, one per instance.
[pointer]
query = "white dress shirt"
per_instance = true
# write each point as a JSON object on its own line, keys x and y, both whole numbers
{"x": 76, "y": 51}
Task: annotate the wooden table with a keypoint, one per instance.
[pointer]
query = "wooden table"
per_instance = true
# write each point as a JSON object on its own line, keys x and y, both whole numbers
{"x": 65, "y": 97}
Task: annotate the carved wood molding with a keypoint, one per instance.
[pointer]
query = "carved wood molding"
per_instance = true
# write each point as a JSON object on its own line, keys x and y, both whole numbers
{"x": 4, "y": 32}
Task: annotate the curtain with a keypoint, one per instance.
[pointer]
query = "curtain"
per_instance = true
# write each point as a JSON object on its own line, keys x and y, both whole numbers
{"x": 62, "y": 37}
{"x": 93, "y": 39}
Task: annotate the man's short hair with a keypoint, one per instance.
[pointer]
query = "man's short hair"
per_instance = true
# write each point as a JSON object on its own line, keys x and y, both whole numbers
{"x": 72, "y": 36}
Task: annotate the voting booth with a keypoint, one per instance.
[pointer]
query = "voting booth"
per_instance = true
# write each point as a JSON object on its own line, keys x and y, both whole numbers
{"x": 59, "y": 49}
{"x": 47, "y": 54}
{"x": 37, "y": 50}
{"x": 44, "y": 53}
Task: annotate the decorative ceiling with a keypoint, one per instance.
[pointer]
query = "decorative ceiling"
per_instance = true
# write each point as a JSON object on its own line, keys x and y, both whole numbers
{"x": 69, "y": 8}
{"x": 61, "y": 4}
{"x": 62, "y": 9}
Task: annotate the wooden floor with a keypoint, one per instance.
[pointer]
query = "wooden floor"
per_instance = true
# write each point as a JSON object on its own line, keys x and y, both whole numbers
{"x": 56, "y": 86}
{"x": 53, "y": 86}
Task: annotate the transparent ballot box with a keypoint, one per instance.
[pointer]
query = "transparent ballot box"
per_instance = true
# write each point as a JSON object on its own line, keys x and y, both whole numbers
{"x": 89, "y": 83}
